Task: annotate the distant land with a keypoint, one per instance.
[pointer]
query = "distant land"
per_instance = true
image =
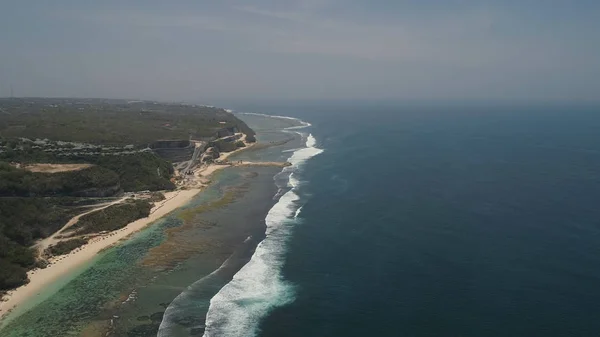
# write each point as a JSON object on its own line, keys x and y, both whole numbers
{"x": 72, "y": 170}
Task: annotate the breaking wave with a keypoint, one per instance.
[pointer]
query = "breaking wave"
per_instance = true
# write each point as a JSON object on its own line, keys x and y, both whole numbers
{"x": 190, "y": 302}
{"x": 303, "y": 123}
{"x": 258, "y": 287}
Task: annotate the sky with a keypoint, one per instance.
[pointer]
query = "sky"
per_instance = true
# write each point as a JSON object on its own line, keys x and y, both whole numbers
{"x": 205, "y": 51}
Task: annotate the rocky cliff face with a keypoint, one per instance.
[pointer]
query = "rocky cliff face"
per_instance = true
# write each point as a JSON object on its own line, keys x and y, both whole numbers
{"x": 175, "y": 154}
{"x": 224, "y": 146}
{"x": 210, "y": 155}
{"x": 170, "y": 144}
{"x": 173, "y": 150}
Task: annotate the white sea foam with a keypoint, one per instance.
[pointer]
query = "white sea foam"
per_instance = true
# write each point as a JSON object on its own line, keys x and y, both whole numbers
{"x": 177, "y": 307}
{"x": 298, "y": 212}
{"x": 259, "y": 287}
{"x": 304, "y": 124}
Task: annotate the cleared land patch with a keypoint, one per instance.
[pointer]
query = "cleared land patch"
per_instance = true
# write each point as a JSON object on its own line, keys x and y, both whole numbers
{"x": 55, "y": 168}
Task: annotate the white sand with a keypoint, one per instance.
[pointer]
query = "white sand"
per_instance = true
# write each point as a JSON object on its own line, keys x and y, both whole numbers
{"x": 61, "y": 265}
{"x": 209, "y": 169}
{"x": 52, "y": 239}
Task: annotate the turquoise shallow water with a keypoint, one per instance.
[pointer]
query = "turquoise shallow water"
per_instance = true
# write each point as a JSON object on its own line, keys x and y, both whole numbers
{"x": 82, "y": 299}
{"x": 414, "y": 221}
{"x": 126, "y": 290}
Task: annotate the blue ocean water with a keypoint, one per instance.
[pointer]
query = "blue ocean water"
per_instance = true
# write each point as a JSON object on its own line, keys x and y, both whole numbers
{"x": 258, "y": 287}
{"x": 441, "y": 221}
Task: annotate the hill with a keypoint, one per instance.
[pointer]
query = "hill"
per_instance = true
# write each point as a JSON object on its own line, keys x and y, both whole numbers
{"x": 57, "y": 154}
{"x": 111, "y": 122}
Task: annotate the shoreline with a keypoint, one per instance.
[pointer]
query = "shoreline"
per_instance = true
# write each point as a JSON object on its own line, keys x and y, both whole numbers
{"x": 260, "y": 278}
{"x": 61, "y": 265}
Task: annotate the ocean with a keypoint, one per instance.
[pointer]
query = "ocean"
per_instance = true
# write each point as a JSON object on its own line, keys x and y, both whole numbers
{"x": 391, "y": 221}
{"x": 440, "y": 221}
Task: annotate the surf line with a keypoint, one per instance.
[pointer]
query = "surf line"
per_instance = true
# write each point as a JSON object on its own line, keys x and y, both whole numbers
{"x": 259, "y": 287}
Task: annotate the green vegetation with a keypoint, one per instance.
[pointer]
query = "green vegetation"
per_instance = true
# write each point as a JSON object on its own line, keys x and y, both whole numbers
{"x": 34, "y": 156}
{"x": 11, "y": 275}
{"x": 136, "y": 172}
{"x": 35, "y": 205}
{"x": 113, "y": 136}
{"x": 114, "y": 122}
{"x": 157, "y": 196}
{"x": 223, "y": 145}
{"x": 239, "y": 144}
{"x": 142, "y": 171}
{"x": 28, "y": 214}
{"x": 108, "y": 133}
{"x": 25, "y": 220}
{"x": 65, "y": 247}
{"x": 112, "y": 218}
{"x": 17, "y": 182}
{"x": 22, "y": 221}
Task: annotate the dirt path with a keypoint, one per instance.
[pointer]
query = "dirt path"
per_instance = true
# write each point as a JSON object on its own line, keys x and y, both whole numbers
{"x": 51, "y": 240}
{"x": 41, "y": 278}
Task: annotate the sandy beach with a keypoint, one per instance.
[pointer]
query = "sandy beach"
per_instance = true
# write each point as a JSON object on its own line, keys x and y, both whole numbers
{"x": 207, "y": 170}
{"x": 61, "y": 265}
{"x": 40, "y": 278}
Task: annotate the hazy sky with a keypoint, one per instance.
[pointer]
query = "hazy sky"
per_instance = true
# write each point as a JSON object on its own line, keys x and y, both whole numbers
{"x": 313, "y": 49}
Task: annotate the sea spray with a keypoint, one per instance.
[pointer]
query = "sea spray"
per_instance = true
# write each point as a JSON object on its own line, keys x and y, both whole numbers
{"x": 303, "y": 124}
{"x": 186, "y": 304}
{"x": 259, "y": 287}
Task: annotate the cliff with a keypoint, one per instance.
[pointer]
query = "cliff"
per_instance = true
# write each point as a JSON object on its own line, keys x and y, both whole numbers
{"x": 173, "y": 150}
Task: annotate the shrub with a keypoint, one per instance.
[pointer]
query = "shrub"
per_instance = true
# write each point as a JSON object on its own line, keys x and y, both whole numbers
{"x": 112, "y": 218}
{"x": 65, "y": 247}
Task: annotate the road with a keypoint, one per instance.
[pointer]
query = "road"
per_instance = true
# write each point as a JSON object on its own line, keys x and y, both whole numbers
{"x": 197, "y": 152}
{"x": 51, "y": 240}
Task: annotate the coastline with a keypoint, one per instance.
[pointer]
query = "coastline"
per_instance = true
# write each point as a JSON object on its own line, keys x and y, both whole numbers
{"x": 259, "y": 286}
{"x": 61, "y": 265}
{"x": 26, "y": 300}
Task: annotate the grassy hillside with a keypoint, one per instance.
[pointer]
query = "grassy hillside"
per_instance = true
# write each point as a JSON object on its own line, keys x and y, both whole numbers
{"x": 112, "y": 218}
{"x": 16, "y": 182}
{"x": 111, "y": 135}
{"x": 142, "y": 171}
{"x": 114, "y": 122}
{"x": 135, "y": 172}
{"x": 22, "y": 221}
{"x": 65, "y": 247}
{"x": 28, "y": 214}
